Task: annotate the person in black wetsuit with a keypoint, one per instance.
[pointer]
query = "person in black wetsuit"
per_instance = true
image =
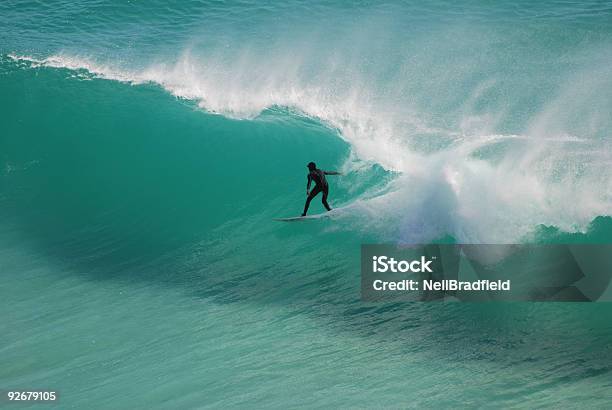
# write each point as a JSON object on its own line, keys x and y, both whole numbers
{"x": 318, "y": 176}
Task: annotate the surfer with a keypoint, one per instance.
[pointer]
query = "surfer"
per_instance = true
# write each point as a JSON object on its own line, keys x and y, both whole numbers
{"x": 318, "y": 176}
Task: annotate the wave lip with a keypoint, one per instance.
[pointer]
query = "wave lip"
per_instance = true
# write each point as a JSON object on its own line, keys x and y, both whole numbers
{"x": 79, "y": 64}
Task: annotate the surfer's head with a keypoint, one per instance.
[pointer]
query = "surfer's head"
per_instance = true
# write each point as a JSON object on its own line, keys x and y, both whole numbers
{"x": 312, "y": 166}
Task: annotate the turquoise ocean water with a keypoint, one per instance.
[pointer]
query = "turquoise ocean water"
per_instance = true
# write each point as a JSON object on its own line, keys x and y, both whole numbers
{"x": 145, "y": 148}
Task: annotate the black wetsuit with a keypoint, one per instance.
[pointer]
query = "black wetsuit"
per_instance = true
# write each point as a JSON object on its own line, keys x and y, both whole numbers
{"x": 318, "y": 176}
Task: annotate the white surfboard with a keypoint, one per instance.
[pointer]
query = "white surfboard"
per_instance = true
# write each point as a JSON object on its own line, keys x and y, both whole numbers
{"x": 328, "y": 214}
{"x": 301, "y": 218}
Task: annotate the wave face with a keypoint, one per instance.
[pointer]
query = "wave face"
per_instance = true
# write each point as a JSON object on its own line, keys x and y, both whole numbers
{"x": 495, "y": 120}
{"x": 145, "y": 150}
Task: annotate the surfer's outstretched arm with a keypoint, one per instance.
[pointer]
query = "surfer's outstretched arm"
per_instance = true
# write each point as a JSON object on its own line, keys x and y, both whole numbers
{"x": 332, "y": 173}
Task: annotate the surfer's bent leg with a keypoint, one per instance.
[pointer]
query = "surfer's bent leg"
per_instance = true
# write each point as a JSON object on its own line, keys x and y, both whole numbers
{"x": 312, "y": 194}
{"x": 324, "y": 200}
